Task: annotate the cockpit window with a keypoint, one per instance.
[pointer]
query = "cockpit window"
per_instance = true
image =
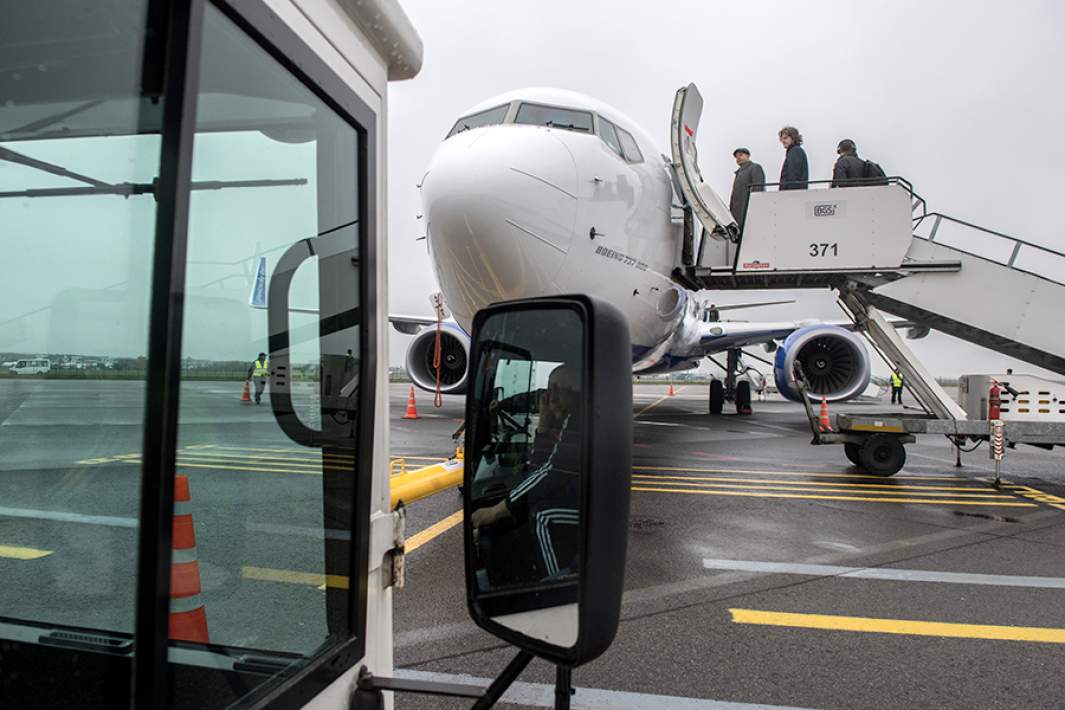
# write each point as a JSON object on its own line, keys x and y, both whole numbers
{"x": 536, "y": 115}
{"x": 629, "y": 147}
{"x": 608, "y": 133}
{"x": 490, "y": 117}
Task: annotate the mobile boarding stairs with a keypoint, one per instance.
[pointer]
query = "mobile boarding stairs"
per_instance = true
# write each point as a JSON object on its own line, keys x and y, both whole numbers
{"x": 935, "y": 271}
{"x": 880, "y": 249}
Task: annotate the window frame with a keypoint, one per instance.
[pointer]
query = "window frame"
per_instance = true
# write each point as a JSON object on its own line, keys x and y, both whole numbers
{"x": 591, "y": 116}
{"x": 619, "y": 152}
{"x": 170, "y": 71}
{"x": 622, "y": 132}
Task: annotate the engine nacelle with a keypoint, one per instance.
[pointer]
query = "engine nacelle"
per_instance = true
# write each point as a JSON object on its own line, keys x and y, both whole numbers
{"x": 834, "y": 361}
{"x": 454, "y": 359}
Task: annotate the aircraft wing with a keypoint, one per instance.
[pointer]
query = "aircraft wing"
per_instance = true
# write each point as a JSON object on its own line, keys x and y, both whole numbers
{"x": 726, "y": 335}
{"x": 410, "y": 324}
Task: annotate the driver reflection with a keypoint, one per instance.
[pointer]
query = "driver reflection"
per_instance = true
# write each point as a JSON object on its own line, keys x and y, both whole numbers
{"x": 545, "y": 500}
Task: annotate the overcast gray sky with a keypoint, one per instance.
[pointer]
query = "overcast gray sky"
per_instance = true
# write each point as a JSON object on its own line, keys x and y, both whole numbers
{"x": 962, "y": 98}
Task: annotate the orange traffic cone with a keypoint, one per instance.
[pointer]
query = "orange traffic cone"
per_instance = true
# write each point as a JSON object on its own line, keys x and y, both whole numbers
{"x": 412, "y": 411}
{"x": 826, "y": 423}
{"x": 188, "y": 619}
{"x": 245, "y": 398}
{"x": 670, "y": 393}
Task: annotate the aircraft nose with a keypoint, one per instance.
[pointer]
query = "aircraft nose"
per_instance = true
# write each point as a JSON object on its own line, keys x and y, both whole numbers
{"x": 501, "y": 206}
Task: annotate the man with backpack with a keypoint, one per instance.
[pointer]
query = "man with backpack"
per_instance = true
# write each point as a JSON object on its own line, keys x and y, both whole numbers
{"x": 850, "y": 170}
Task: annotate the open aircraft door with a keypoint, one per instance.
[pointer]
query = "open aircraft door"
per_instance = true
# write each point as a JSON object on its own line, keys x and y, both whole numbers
{"x": 707, "y": 205}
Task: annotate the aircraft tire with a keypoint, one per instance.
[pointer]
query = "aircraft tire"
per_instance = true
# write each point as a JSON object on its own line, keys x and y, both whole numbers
{"x": 882, "y": 454}
{"x": 853, "y": 452}
{"x": 717, "y": 396}
{"x": 743, "y": 397}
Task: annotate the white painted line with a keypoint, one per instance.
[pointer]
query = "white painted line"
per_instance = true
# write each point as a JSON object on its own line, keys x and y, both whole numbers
{"x": 542, "y": 695}
{"x": 899, "y": 575}
{"x": 65, "y": 517}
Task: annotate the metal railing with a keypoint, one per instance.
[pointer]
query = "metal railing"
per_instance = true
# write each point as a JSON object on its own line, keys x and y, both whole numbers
{"x": 1018, "y": 244}
{"x": 916, "y": 200}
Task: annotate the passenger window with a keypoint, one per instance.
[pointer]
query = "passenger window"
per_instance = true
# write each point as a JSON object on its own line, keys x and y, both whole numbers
{"x": 609, "y": 134}
{"x": 552, "y": 117}
{"x": 629, "y": 147}
{"x": 491, "y": 117}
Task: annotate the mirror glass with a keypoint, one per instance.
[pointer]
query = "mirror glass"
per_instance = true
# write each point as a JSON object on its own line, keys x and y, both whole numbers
{"x": 526, "y": 457}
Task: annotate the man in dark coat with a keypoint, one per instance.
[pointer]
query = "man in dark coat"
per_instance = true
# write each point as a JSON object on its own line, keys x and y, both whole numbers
{"x": 849, "y": 169}
{"x": 795, "y": 172}
{"x": 749, "y": 178}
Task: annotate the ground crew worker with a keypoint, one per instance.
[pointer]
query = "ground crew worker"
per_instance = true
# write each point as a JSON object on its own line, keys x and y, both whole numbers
{"x": 749, "y": 178}
{"x": 896, "y": 387}
{"x": 258, "y": 372}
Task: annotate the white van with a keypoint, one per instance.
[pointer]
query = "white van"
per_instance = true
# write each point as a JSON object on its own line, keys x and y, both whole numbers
{"x": 31, "y": 367}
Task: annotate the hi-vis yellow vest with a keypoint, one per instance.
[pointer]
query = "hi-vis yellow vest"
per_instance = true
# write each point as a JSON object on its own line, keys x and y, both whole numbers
{"x": 896, "y": 379}
{"x": 261, "y": 368}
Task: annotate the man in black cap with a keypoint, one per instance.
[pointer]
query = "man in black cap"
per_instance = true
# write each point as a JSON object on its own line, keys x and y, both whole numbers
{"x": 849, "y": 169}
{"x": 749, "y": 178}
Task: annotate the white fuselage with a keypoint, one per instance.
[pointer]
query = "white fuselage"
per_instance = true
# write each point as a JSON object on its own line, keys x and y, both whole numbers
{"x": 519, "y": 211}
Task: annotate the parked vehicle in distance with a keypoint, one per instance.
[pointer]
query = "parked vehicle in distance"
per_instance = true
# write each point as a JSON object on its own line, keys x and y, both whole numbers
{"x": 31, "y": 367}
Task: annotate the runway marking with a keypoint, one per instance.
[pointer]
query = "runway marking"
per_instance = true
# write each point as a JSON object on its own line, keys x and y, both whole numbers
{"x": 656, "y": 402}
{"x": 307, "y": 472}
{"x": 863, "y": 486}
{"x": 864, "y": 499}
{"x": 816, "y": 474}
{"x": 311, "y": 579}
{"x": 542, "y": 695}
{"x": 989, "y": 493}
{"x": 66, "y": 517}
{"x": 22, "y": 553}
{"x": 887, "y": 573}
{"x": 1037, "y": 495}
{"x": 1033, "y": 634}
{"x": 438, "y": 528}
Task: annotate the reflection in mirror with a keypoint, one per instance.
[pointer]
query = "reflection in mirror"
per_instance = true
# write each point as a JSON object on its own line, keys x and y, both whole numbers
{"x": 526, "y": 454}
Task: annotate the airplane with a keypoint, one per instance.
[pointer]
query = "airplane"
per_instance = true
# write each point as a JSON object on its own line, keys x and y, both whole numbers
{"x": 545, "y": 191}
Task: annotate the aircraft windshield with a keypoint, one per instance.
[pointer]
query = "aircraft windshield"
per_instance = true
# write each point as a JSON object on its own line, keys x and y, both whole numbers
{"x": 536, "y": 115}
{"x": 491, "y": 117}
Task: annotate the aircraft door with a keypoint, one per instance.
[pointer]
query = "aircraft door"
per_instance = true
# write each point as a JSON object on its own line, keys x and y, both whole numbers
{"x": 709, "y": 208}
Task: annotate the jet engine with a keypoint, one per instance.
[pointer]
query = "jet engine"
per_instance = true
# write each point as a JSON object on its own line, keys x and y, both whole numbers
{"x": 454, "y": 359}
{"x": 834, "y": 362}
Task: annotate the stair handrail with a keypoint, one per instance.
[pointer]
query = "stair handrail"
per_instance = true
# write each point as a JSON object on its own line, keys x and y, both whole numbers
{"x": 939, "y": 217}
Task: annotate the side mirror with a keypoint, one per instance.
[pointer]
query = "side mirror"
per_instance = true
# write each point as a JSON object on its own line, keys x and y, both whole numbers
{"x": 548, "y": 473}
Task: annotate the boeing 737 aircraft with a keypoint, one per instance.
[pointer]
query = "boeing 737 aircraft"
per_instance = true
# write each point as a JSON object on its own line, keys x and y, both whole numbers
{"x": 546, "y": 191}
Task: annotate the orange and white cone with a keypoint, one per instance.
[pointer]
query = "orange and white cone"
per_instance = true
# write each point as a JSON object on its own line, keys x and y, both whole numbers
{"x": 670, "y": 393}
{"x": 826, "y": 423}
{"x": 188, "y": 619}
{"x": 245, "y": 398}
{"x": 412, "y": 411}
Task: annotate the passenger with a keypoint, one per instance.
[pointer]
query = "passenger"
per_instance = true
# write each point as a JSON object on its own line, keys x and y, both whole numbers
{"x": 258, "y": 372}
{"x": 849, "y": 170}
{"x": 896, "y": 387}
{"x": 795, "y": 173}
{"x": 749, "y": 178}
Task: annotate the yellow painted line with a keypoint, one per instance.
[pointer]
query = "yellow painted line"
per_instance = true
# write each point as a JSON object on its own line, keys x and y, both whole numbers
{"x": 418, "y": 539}
{"x": 298, "y": 461}
{"x": 1034, "y": 634}
{"x": 816, "y": 474}
{"x": 296, "y": 467}
{"x": 698, "y": 484}
{"x": 22, "y": 553}
{"x": 658, "y": 401}
{"x": 247, "y": 468}
{"x": 311, "y": 579}
{"x": 804, "y": 496}
{"x": 863, "y": 486}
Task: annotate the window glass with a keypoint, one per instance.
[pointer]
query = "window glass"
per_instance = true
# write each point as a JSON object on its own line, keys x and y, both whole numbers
{"x": 552, "y": 117}
{"x": 609, "y": 134}
{"x": 78, "y": 158}
{"x": 270, "y": 363}
{"x": 490, "y": 117}
{"x": 629, "y": 147}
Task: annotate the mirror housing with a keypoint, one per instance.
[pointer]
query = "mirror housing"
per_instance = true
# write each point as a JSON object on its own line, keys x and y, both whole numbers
{"x": 601, "y": 373}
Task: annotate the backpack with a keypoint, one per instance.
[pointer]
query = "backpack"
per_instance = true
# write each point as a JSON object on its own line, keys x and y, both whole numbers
{"x": 874, "y": 174}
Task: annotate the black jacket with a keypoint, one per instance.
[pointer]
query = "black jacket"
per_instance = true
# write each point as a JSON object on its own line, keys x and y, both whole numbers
{"x": 848, "y": 171}
{"x": 748, "y": 174}
{"x": 796, "y": 171}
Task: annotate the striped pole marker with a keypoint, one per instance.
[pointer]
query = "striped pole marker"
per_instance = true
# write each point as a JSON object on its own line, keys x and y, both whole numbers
{"x": 188, "y": 619}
